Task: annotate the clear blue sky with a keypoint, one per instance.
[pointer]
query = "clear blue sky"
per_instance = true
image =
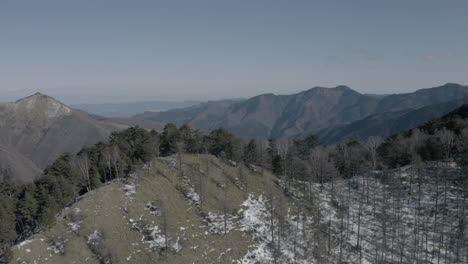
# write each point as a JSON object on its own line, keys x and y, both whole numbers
{"x": 112, "y": 50}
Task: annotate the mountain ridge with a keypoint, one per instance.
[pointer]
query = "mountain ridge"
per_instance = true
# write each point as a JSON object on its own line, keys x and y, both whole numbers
{"x": 387, "y": 123}
{"x": 301, "y": 114}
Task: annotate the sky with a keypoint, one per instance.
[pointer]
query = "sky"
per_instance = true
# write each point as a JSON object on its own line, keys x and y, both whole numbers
{"x": 92, "y": 51}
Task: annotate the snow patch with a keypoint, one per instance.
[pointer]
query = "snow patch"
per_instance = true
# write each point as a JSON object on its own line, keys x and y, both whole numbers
{"x": 24, "y": 243}
{"x": 93, "y": 237}
{"x": 129, "y": 189}
{"x": 255, "y": 219}
{"x": 152, "y": 208}
{"x": 190, "y": 192}
{"x": 218, "y": 224}
{"x": 56, "y": 247}
{"x": 74, "y": 226}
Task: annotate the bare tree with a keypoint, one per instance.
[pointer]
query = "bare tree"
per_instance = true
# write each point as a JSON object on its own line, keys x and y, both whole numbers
{"x": 372, "y": 144}
{"x": 225, "y": 201}
{"x": 447, "y": 138}
{"x": 242, "y": 176}
{"x": 283, "y": 148}
{"x": 262, "y": 146}
{"x": 180, "y": 146}
{"x": 272, "y": 207}
{"x": 115, "y": 160}
{"x": 83, "y": 164}
{"x": 107, "y": 161}
{"x": 165, "y": 224}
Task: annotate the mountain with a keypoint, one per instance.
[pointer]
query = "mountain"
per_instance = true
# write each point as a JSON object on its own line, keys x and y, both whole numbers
{"x": 131, "y": 108}
{"x": 387, "y": 123}
{"x": 332, "y": 205}
{"x": 270, "y": 115}
{"x": 37, "y": 129}
{"x": 159, "y": 216}
{"x": 13, "y": 164}
{"x": 304, "y": 113}
{"x": 203, "y": 115}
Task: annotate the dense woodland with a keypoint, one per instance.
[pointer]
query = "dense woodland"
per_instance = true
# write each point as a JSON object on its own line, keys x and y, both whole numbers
{"x": 27, "y": 208}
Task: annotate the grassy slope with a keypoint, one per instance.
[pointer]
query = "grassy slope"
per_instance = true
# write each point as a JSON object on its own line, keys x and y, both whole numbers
{"x": 110, "y": 209}
{"x": 119, "y": 215}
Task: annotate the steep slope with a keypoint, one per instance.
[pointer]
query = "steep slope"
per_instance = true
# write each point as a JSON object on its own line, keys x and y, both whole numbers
{"x": 387, "y": 123}
{"x": 13, "y": 165}
{"x": 217, "y": 212}
{"x": 304, "y": 113}
{"x": 125, "y": 221}
{"x": 40, "y": 129}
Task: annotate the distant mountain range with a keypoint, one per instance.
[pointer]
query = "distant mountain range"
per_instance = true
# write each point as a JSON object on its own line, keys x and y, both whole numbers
{"x": 328, "y": 112}
{"x": 36, "y": 130}
{"x": 131, "y": 108}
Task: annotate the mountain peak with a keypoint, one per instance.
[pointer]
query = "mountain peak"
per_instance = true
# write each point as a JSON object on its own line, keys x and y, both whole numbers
{"x": 452, "y": 85}
{"x": 328, "y": 90}
{"x": 342, "y": 87}
{"x": 35, "y": 97}
{"x": 39, "y": 103}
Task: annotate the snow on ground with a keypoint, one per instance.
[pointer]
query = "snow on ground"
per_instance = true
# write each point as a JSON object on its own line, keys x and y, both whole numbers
{"x": 394, "y": 214}
{"x": 74, "y": 226}
{"x": 194, "y": 197}
{"x": 218, "y": 224}
{"x": 24, "y": 243}
{"x": 155, "y": 237}
{"x": 152, "y": 208}
{"x": 190, "y": 192}
{"x": 129, "y": 189}
{"x": 57, "y": 247}
{"x": 255, "y": 219}
{"x": 255, "y": 215}
{"x": 93, "y": 237}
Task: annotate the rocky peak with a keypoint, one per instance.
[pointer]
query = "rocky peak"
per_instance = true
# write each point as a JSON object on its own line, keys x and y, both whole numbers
{"x": 41, "y": 103}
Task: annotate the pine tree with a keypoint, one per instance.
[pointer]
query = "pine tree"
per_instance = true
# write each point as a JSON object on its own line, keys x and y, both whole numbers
{"x": 26, "y": 210}
{"x": 250, "y": 153}
{"x": 169, "y": 139}
{"x": 7, "y": 219}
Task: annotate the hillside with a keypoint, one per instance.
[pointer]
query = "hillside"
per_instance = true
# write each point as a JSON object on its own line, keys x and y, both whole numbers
{"x": 36, "y": 130}
{"x": 299, "y": 115}
{"x": 199, "y": 209}
{"x": 387, "y": 123}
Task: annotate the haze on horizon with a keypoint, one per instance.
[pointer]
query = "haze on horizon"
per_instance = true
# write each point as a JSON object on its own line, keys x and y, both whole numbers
{"x": 119, "y": 51}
